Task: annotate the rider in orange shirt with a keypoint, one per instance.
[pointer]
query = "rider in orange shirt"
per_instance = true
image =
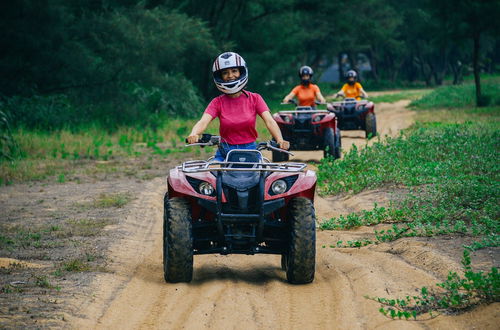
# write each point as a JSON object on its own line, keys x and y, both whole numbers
{"x": 306, "y": 92}
{"x": 352, "y": 89}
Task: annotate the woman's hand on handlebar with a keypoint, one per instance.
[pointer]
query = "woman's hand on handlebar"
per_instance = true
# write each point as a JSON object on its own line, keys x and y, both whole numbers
{"x": 284, "y": 144}
{"x": 193, "y": 139}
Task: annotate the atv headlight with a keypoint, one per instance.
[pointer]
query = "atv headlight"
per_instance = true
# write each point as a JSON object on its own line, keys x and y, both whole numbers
{"x": 206, "y": 188}
{"x": 278, "y": 187}
{"x": 286, "y": 119}
{"x": 317, "y": 118}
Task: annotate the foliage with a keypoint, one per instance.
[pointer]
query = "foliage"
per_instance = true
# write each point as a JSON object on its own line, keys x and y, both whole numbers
{"x": 458, "y": 96}
{"x": 9, "y": 149}
{"x": 451, "y": 171}
{"x": 121, "y": 64}
{"x": 457, "y": 294}
{"x": 137, "y": 61}
{"x": 429, "y": 153}
{"x": 395, "y": 97}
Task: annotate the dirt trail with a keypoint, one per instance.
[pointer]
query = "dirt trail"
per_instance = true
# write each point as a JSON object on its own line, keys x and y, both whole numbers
{"x": 251, "y": 292}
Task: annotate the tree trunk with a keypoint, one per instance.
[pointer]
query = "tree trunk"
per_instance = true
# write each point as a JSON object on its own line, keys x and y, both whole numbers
{"x": 373, "y": 64}
{"x": 341, "y": 68}
{"x": 475, "y": 60}
{"x": 456, "y": 68}
{"x": 353, "y": 61}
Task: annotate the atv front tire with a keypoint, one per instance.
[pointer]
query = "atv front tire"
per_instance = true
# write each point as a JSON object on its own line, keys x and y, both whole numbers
{"x": 177, "y": 241}
{"x": 332, "y": 144}
{"x": 301, "y": 257}
{"x": 370, "y": 125}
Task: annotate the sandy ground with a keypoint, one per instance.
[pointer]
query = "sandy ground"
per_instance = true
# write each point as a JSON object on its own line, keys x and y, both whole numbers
{"x": 251, "y": 292}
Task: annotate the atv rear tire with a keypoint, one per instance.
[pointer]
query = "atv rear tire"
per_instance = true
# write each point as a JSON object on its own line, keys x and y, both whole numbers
{"x": 332, "y": 144}
{"x": 280, "y": 156}
{"x": 370, "y": 125}
{"x": 177, "y": 241}
{"x": 301, "y": 257}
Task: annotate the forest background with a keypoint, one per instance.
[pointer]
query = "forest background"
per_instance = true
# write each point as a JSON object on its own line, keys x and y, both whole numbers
{"x": 70, "y": 64}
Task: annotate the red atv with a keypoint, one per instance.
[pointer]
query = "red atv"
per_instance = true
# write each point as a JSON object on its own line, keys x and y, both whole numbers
{"x": 243, "y": 205}
{"x": 355, "y": 115}
{"x": 309, "y": 129}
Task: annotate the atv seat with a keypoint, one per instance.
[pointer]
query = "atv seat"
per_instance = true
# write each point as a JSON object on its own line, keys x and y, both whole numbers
{"x": 243, "y": 156}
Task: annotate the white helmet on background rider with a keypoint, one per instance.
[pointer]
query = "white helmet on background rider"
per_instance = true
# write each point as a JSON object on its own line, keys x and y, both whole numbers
{"x": 351, "y": 74}
{"x": 225, "y": 61}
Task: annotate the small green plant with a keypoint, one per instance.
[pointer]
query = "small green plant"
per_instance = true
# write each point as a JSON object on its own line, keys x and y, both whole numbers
{"x": 61, "y": 178}
{"x": 364, "y": 218}
{"x": 112, "y": 200}
{"x": 457, "y": 294}
{"x": 76, "y": 265}
{"x": 490, "y": 240}
{"x": 85, "y": 227}
{"x": 42, "y": 281}
{"x": 9, "y": 288}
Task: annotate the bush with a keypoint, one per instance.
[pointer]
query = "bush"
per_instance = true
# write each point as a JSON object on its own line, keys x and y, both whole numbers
{"x": 9, "y": 149}
{"x": 459, "y": 97}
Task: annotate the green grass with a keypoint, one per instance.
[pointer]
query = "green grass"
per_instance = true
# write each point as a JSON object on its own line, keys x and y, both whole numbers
{"x": 395, "y": 97}
{"x": 449, "y": 164}
{"x": 57, "y": 154}
{"x": 460, "y": 96}
{"x": 49, "y": 236}
{"x": 83, "y": 227}
{"x": 76, "y": 265}
{"x": 427, "y": 154}
{"x": 451, "y": 170}
{"x": 112, "y": 200}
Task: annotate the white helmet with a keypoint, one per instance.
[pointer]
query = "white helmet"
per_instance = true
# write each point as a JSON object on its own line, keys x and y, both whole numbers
{"x": 225, "y": 61}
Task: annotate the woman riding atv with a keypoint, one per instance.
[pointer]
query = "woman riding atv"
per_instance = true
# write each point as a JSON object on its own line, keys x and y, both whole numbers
{"x": 307, "y": 93}
{"x": 236, "y": 109}
{"x": 352, "y": 88}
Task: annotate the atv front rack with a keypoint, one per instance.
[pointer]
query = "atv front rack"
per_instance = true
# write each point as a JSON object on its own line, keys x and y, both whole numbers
{"x": 303, "y": 111}
{"x": 342, "y": 103}
{"x": 195, "y": 166}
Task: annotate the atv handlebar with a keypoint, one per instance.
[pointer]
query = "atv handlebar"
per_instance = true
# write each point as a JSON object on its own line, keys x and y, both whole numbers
{"x": 207, "y": 140}
{"x": 292, "y": 101}
{"x": 272, "y": 145}
{"x": 296, "y": 103}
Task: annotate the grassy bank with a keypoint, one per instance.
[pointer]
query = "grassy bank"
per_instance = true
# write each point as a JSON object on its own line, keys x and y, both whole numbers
{"x": 451, "y": 170}
{"x": 449, "y": 164}
{"x": 42, "y": 155}
{"x": 448, "y": 161}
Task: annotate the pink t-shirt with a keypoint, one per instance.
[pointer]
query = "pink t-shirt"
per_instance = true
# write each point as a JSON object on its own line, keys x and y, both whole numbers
{"x": 237, "y": 116}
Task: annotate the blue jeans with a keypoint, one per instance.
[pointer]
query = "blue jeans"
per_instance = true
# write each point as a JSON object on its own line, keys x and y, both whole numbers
{"x": 224, "y": 148}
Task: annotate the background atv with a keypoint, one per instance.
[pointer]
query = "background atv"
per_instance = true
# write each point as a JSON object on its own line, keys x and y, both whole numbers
{"x": 309, "y": 129}
{"x": 355, "y": 115}
{"x": 244, "y": 205}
